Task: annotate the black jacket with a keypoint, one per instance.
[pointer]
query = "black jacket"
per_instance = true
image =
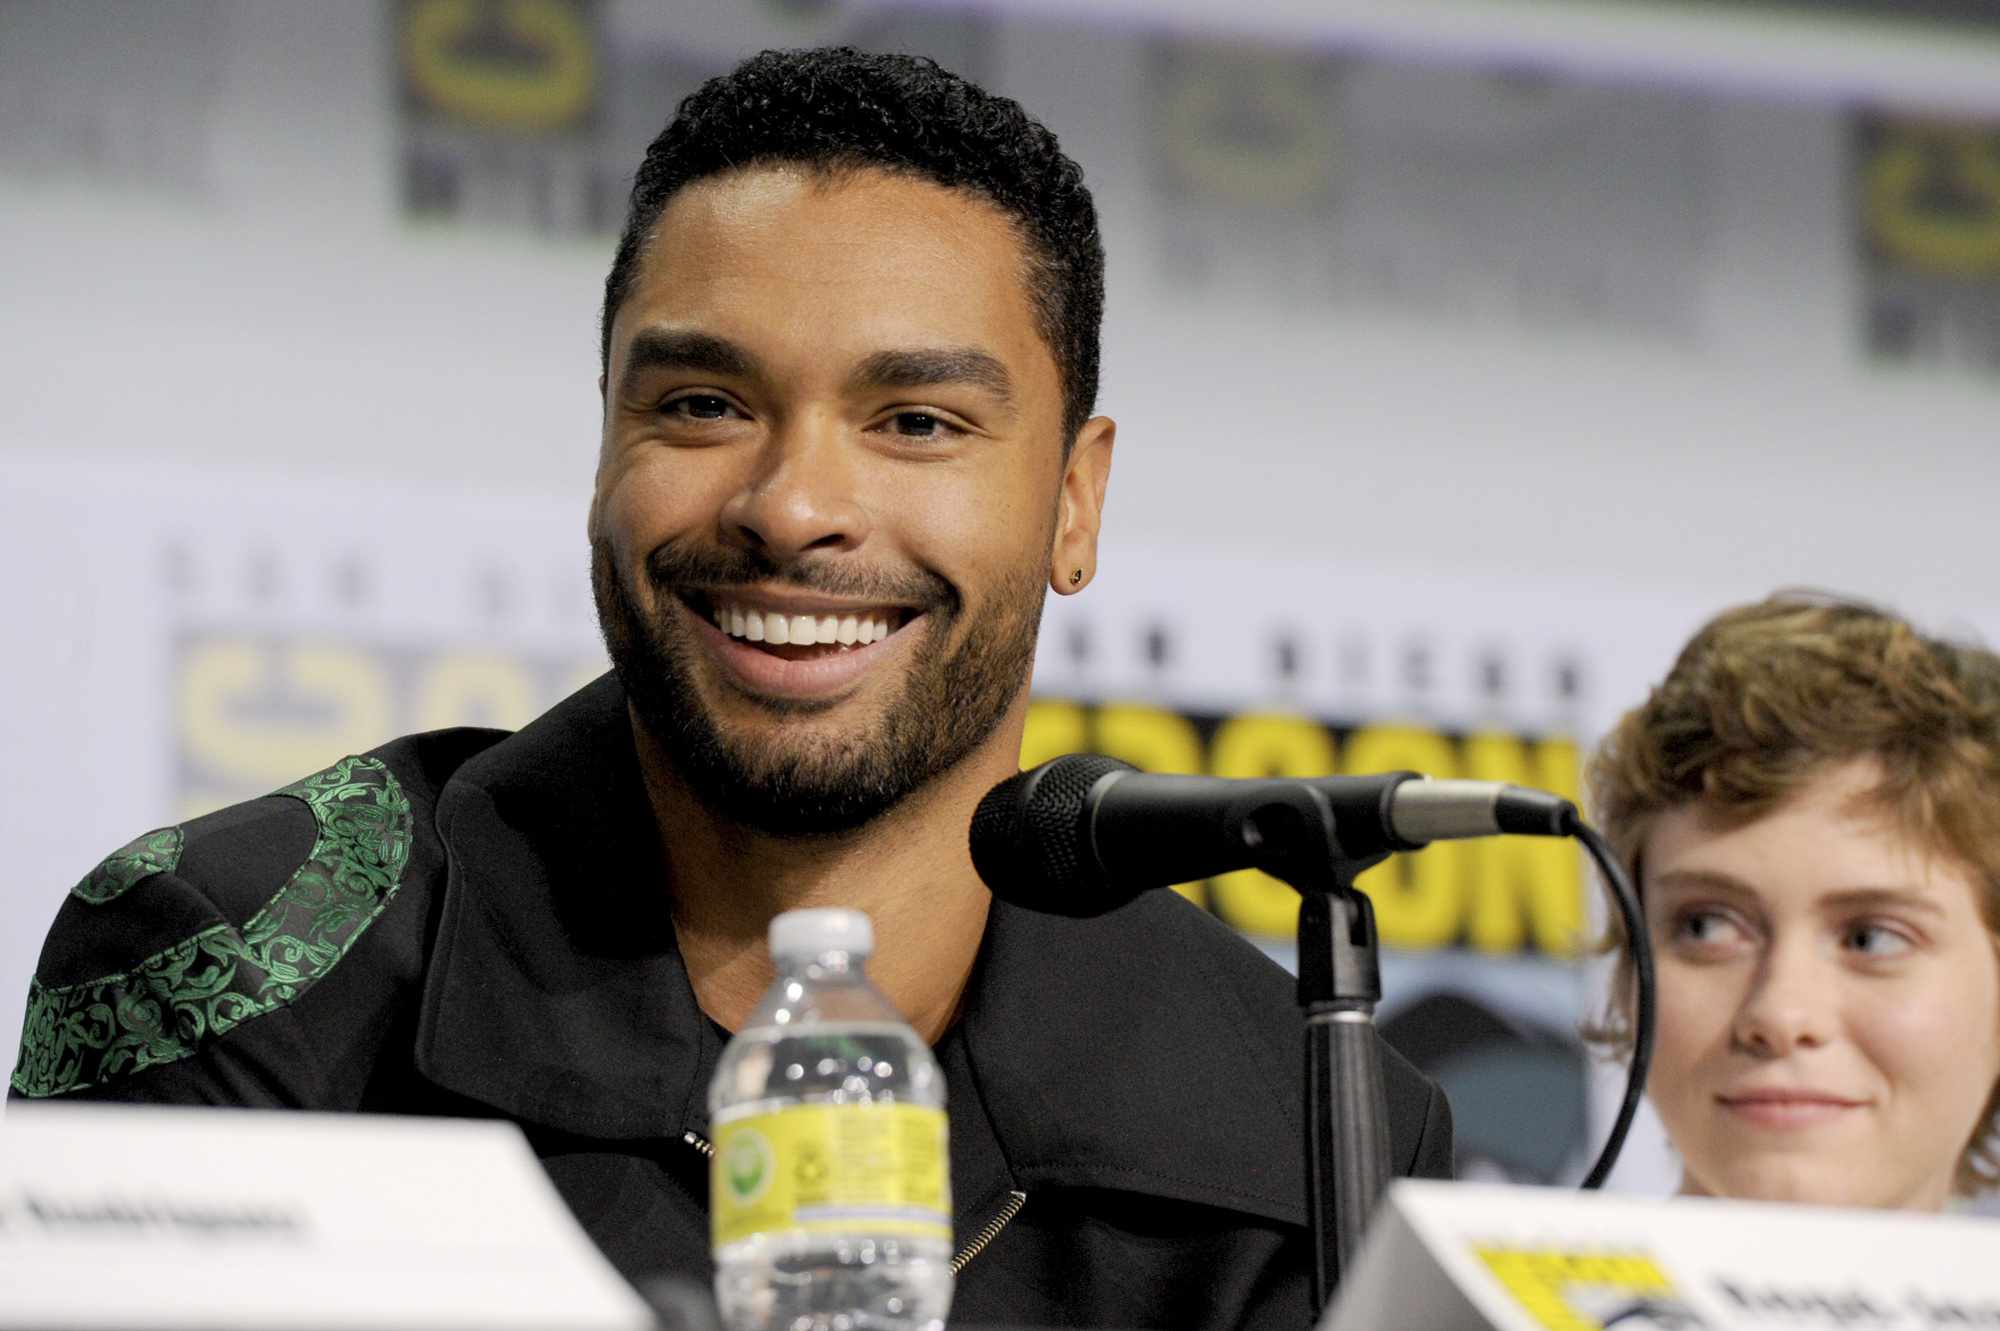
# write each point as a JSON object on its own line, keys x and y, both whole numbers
{"x": 470, "y": 923}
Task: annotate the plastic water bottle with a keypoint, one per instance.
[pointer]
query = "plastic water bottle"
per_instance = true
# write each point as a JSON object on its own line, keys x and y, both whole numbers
{"x": 830, "y": 1188}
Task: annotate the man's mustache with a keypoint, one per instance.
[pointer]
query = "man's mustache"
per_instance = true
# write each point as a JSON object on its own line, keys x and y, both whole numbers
{"x": 714, "y": 569}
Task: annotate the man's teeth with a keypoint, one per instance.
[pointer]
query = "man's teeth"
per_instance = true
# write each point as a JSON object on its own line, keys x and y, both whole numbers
{"x": 801, "y": 630}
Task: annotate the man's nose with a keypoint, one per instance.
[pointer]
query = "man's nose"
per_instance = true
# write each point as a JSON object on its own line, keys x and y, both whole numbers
{"x": 1791, "y": 1002}
{"x": 801, "y": 493}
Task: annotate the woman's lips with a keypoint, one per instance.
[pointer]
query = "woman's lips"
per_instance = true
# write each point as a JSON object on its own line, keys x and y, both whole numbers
{"x": 1787, "y": 1108}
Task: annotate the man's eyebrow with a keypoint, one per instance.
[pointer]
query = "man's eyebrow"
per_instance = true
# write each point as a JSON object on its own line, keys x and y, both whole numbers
{"x": 925, "y": 367}
{"x": 676, "y": 349}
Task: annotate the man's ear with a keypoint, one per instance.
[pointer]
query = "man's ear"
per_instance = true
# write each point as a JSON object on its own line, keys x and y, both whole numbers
{"x": 1080, "y": 506}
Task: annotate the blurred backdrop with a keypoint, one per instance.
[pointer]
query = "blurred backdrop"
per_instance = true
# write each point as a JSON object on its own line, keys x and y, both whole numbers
{"x": 1466, "y": 355}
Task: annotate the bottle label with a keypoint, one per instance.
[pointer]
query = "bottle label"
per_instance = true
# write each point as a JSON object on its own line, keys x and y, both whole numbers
{"x": 824, "y": 1168}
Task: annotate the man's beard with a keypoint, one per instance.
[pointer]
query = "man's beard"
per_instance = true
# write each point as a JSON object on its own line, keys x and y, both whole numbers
{"x": 950, "y": 703}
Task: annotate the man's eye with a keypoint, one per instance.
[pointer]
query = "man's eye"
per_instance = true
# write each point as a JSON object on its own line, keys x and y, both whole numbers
{"x": 697, "y": 406}
{"x": 918, "y": 425}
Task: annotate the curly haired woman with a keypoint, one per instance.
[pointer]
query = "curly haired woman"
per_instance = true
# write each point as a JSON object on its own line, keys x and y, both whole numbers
{"x": 1810, "y": 806}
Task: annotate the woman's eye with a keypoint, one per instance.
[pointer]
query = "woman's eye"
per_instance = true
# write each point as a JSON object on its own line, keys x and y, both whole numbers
{"x": 1875, "y": 940}
{"x": 1704, "y": 927}
{"x": 697, "y": 406}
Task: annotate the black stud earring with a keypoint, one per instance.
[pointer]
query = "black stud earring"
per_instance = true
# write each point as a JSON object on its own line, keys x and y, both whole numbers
{"x": 1076, "y": 577}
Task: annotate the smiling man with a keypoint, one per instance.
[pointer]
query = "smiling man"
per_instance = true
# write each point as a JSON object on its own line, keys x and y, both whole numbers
{"x": 849, "y": 365}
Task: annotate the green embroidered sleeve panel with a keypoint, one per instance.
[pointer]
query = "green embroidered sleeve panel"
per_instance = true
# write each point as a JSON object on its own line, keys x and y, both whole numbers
{"x": 167, "y": 1006}
{"x": 158, "y": 851}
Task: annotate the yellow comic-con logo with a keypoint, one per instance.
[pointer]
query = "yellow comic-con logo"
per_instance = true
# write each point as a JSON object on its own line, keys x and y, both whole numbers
{"x": 1567, "y": 1290}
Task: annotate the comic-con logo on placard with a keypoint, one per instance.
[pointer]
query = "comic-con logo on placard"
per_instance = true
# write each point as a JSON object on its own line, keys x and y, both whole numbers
{"x": 748, "y": 1165}
{"x": 1564, "y": 1289}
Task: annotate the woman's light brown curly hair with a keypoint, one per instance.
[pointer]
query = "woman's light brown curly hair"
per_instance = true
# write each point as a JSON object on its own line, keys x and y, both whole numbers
{"x": 1766, "y": 697}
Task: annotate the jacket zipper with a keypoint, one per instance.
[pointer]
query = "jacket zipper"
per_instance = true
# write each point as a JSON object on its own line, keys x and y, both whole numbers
{"x": 1016, "y": 1199}
{"x": 978, "y": 1243}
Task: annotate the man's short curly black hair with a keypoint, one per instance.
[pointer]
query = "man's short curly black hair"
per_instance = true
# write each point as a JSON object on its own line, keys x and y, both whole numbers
{"x": 840, "y": 109}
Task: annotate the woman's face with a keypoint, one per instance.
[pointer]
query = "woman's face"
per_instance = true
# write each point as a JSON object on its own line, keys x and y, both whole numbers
{"x": 1829, "y": 1002}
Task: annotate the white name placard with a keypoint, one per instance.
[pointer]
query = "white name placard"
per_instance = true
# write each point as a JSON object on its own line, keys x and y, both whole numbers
{"x": 1466, "y": 1257}
{"x": 128, "y": 1216}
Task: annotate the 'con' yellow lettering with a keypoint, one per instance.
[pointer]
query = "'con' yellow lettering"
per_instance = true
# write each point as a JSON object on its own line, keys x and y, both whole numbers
{"x": 1265, "y": 744}
{"x": 254, "y": 716}
{"x": 467, "y": 689}
{"x": 1419, "y": 898}
{"x": 1154, "y": 740}
{"x": 578, "y": 674}
{"x": 1520, "y": 886}
{"x": 1054, "y": 728}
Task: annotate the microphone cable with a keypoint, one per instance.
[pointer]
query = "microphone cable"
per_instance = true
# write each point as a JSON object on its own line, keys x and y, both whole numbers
{"x": 1639, "y": 945}
{"x": 1034, "y": 843}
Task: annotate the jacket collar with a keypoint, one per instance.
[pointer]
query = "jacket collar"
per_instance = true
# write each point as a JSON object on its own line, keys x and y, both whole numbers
{"x": 1115, "y": 1053}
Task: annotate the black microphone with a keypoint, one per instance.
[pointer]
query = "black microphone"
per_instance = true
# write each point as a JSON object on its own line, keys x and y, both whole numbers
{"x": 1084, "y": 834}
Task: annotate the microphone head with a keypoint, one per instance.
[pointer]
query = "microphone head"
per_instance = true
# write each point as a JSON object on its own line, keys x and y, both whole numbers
{"x": 1031, "y": 838}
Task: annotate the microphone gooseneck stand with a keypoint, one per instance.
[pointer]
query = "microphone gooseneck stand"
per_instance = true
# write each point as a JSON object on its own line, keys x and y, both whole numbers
{"x": 1297, "y": 837}
{"x": 1347, "y": 1111}
{"x": 1040, "y": 837}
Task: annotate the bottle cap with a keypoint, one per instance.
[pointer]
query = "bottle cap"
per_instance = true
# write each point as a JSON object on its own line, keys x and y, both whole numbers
{"x": 807, "y": 933}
